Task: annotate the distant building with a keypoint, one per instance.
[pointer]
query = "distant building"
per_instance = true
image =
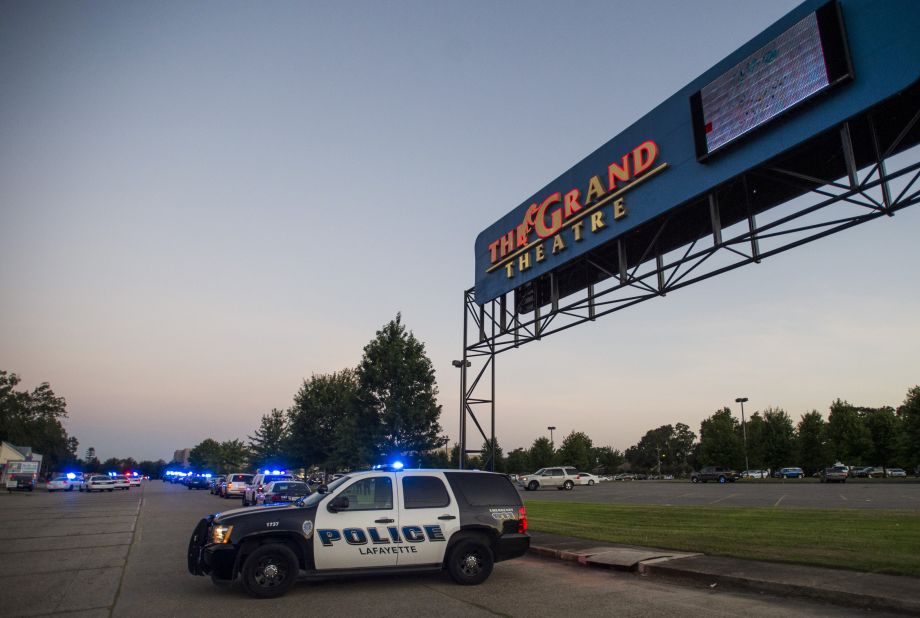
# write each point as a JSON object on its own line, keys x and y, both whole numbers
{"x": 15, "y": 459}
{"x": 181, "y": 456}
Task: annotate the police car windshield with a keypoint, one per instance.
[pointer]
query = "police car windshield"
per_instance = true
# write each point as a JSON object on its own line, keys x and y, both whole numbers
{"x": 316, "y": 497}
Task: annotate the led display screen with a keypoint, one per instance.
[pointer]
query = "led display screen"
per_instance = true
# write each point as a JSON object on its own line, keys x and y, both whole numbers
{"x": 803, "y": 61}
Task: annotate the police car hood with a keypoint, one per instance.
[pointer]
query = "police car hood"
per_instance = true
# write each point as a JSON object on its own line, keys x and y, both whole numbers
{"x": 234, "y": 513}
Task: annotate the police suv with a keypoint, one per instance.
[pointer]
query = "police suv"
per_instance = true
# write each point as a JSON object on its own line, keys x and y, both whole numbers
{"x": 385, "y": 520}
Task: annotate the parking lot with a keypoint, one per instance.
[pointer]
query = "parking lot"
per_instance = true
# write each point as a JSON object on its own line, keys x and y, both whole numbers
{"x": 792, "y": 493}
{"x": 123, "y": 554}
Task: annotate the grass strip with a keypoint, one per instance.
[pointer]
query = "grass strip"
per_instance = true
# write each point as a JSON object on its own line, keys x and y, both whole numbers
{"x": 875, "y": 541}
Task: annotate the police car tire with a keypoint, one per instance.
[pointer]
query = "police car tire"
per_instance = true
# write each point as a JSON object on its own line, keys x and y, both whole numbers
{"x": 470, "y": 562}
{"x": 273, "y": 554}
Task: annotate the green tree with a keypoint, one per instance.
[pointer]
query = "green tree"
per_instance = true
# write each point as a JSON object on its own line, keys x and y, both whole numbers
{"x": 576, "y": 451}
{"x": 206, "y": 456}
{"x": 234, "y": 456}
{"x": 35, "y": 419}
{"x": 850, "y": 440}
{"x": 518, "y": 462}
{"x": 909, "y": 413}
{"x": 488, "y": 453}
{"x": 267, "y": 446}
{"x": 112, "y": 464}
{"x": 756, "y": 441}
{"x": 720, "y": 441}
{"x": 778, "y": 438}
{"x": 884, "y": 434}
{"x": 153, "y": 469}
{"x": 325, "y": 427}
{"x": 669, "y": 445}
{"x": 811, "y": 437}
{"x": 396, "y": 382}
{"x": 438, "y": 458}
{"x": 541, "y": 453}
{"x": 608, "y": 459}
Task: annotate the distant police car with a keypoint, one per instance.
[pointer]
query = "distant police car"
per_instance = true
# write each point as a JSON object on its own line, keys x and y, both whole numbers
{"x": 383, "y": 520}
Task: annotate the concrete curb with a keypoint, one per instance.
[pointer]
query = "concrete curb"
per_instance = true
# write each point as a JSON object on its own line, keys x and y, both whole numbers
{"x": 836, "y": 596}
{"x": 850, "y": 589}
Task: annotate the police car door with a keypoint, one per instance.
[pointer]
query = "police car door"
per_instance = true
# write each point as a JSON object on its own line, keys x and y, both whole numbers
{"x": 361, "y": 534}
{"x": 427, "y": 519}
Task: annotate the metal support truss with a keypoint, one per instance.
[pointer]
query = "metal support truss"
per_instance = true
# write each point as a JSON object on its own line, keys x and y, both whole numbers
{"x": 817, "y": 207}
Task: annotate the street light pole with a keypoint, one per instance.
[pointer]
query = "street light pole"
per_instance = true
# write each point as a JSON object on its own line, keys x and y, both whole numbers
{"x": 462, "y": 365}
{"x": 551, "y": 442}
{"x": 741, "y": 400}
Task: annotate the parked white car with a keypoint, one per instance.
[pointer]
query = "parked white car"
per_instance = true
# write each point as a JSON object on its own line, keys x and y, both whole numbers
{"x": 99, "y": 483}
{"x": 121, "y": 483}
{"x": 755, "y": 474}
{"x": 60, "y": 483}
{"x": 586, "y": 478}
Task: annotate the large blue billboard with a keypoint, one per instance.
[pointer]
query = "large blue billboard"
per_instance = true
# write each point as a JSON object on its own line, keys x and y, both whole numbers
{"x": 819, "y": 65}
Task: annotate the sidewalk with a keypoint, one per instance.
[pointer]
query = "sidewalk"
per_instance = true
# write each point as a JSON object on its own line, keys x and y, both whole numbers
{"x": 846, "y": 588}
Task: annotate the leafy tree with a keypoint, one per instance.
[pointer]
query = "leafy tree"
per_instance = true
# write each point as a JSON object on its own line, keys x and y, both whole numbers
{"x": 112, "y": 464}
{"x": 153, "y": 469}
{"x": 267, "y": 446}
{"x": 778, "y": 438}
{"x": 518, "y": 462}
{"x": 884, "y": 434}
{"x": 850, "y": 440}
{"x": 720, "y": 441}
{"x": 233, "y": 456}
{"x": 909, "y": 442}
{"x": 812, "y": 435}
{"x": 608, "y": 459}
{"x": 681, "y": 445}
{"x": 396, "y": 382}
{"x": 206, "y": 455}
{"x": 756, "y": 441}
{"x": 488, "y": 453}
{"x": 576, "y": 451}
{"x": 541, "y": 453}
{"x": 455, "y": 458}
{"x": 35, "y": 419}
{"x": 438, "y": 458}
{"x": 324, "y": 426}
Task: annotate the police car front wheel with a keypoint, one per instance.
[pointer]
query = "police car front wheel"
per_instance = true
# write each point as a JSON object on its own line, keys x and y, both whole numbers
{"x": 470, "y": 562}
{"x": 269, "y": 571}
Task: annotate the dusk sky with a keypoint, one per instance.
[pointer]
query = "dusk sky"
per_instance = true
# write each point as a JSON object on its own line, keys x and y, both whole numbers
{"x": 205, "y": 203}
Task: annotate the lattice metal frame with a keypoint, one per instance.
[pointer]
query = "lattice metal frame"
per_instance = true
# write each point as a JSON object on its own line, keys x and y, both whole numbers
{"x": 496, "y": 327}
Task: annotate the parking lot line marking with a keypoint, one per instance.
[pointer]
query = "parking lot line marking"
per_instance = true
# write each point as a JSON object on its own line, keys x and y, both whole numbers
{"x": 723, "y": 498}
{"x": 778, "y": 501}
{"x": 842, "y": 497}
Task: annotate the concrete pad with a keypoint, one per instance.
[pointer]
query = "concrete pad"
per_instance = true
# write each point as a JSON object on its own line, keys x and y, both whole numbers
{"x": 851, "y": 589}
{"x": 625, "y": 559}
{"x": 52, "y": 561}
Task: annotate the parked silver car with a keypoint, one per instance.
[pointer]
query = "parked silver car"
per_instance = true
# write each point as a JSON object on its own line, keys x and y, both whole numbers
{"x": 561, "y": 477}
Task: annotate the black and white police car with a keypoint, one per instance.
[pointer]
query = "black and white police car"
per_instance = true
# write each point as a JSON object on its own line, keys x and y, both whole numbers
{"x": 384, "y": 520}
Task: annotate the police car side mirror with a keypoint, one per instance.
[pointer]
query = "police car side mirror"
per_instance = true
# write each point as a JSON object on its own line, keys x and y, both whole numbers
{"x": 339, "y": 503}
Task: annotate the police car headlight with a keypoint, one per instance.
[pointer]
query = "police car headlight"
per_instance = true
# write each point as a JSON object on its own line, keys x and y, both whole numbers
{"x": 221, "y": 534}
